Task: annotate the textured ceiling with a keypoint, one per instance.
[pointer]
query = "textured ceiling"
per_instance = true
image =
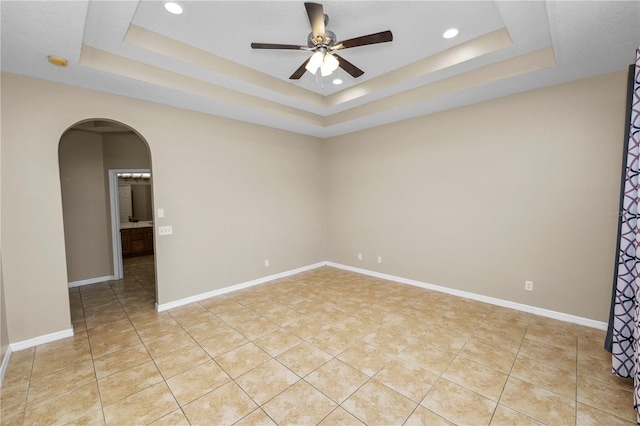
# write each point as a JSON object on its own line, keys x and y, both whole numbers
{"x": 202, "y": 60}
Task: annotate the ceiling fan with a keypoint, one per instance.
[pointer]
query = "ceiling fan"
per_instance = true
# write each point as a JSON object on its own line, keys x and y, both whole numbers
{"x": 323, "y": 43}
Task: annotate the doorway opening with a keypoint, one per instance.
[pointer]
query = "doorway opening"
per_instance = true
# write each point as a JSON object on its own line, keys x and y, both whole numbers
{"x": 91, "y": 153}
{"x": 131, "y": 200}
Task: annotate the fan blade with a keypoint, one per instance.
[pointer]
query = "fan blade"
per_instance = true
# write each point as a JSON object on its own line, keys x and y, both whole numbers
{"x": 277, "y": 46}
{"x": 349, "y": 67}
{"x": 300, "y": 71}
{"x": 376, "y": 38}
{"x": 316, "y": 18}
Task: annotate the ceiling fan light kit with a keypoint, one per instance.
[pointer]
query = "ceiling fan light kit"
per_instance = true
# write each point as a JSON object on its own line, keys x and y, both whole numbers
{"x": 323, "y": 43}
{"x": 315, "y": 62}
{"x": 326, "y": 62}
{"x": 329, "y": 65}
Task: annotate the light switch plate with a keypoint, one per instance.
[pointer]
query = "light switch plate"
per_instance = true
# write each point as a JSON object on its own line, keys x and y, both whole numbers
{"x": 165, "y": 230}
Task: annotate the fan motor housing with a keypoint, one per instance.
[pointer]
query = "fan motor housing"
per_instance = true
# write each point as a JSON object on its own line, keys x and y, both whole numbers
{"x": 326, "y": 41}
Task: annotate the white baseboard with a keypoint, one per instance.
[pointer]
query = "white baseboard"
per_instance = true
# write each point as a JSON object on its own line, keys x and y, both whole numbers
{"x": 587, "y": 322}
{"x": 29, "y": 343}
{"x": 473, "y": 296}
{"x": 91, "y": 281}
{"x": 5, "y": 364}
{"x": 236, "y": 287}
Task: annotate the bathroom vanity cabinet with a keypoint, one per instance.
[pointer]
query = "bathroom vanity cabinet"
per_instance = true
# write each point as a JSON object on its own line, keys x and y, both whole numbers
{"x": 136, "y": 241}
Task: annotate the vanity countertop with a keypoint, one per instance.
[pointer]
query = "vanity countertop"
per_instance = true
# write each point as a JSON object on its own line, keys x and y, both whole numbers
{"x": 141, "y": 224}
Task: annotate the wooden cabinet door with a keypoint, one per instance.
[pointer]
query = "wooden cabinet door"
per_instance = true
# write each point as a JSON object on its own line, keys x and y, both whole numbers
{"x": 148, "y": 240}
{"x": 137, "y": 241}
{"x": 125, "y": 238}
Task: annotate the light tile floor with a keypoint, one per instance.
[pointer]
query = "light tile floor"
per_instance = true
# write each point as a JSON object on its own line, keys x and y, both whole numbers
{"x": 325, "y": 347}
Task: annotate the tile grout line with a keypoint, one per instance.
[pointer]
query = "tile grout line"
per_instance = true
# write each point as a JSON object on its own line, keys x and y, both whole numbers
{"x": 232, "y": 379}
{"x": 509, "y": 374}
{"x": 576, "y": 389}
{"x": 104, "y": 416}
{"x": 164, "y": 380}
{"x": 26, "y": 399}
{"x": 449, "y": 364}
{"x": 95, "y": 373}
{"x": 134, "y": 366}
{"x": 301, "y": 378}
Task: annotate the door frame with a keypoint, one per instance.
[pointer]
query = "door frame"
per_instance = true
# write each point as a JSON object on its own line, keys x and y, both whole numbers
{"x": 118, "y": 273}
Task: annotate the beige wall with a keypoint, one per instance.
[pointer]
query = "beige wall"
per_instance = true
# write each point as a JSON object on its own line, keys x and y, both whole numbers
{"x": 34, "y": 263}
{"x": 125, "y": 151}
{"x": 235, "y": 194}
{"x": 482, "y": 198}
{"x": 141, "y": 202}
{"x": 4, "y": 333}
{"x": 263, "y": 198}
{"x": 84, "y": 205}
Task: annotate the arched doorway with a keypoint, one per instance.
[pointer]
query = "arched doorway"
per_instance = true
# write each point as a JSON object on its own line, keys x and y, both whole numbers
{"x": 91, "y": 154}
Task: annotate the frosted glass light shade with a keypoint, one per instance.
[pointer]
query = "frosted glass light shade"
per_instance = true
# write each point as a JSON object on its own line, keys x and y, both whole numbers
{"x": 314, "y": 62}
{"x": 329, "y": 65}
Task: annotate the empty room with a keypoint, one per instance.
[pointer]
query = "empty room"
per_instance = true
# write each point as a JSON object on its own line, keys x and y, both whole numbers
{"x": 338, "y": 213}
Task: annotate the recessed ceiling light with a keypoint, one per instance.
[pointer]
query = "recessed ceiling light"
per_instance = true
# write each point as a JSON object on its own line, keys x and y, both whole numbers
{"x": 57, "y": 61}
{"x": 173, "y": 7}
{"x": 451, "y": 33}
{"x": 337, "y": 81}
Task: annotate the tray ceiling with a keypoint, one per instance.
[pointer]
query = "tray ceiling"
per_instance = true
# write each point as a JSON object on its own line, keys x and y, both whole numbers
{"x": 201, "y": 60}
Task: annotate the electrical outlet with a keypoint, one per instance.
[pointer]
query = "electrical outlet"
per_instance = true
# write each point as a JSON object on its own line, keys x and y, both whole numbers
{"x": 528, "y": 285}
{"x": 379, "y": 259}
{"x": 266, "y": 263}
{"x": 165, "y": 230}
{"x": 160, "y": 213}
{"x": 359, "y": 256}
